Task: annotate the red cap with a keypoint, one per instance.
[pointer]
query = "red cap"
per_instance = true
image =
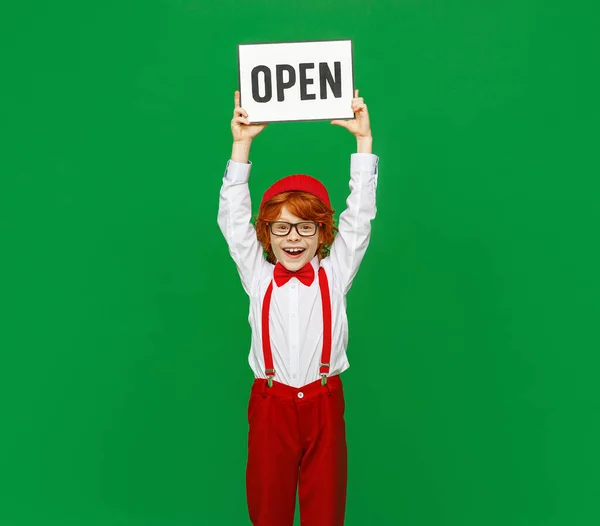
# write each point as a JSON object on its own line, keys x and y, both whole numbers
{"x": 300, "y": 183}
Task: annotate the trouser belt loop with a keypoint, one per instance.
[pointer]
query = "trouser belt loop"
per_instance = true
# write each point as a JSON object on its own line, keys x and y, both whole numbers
{"x": 265, "y": 387}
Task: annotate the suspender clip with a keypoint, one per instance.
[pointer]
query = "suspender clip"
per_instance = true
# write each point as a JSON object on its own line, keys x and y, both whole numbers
{"x": 324, "y": 375}
{"x": 270, "y": 373}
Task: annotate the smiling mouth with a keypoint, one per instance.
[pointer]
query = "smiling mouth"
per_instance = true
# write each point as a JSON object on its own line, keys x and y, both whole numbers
{"x": 294, "y": 252}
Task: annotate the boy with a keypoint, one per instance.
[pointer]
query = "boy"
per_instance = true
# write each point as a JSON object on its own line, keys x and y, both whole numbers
{"x": 297, "y": 436}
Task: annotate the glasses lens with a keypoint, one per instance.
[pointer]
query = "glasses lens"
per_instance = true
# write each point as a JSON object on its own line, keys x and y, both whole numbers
{"x": 307, "y": 229}
{"x": 279, "y": 228}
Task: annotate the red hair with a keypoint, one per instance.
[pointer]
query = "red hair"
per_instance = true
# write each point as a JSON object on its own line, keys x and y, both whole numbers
{"x": 301, "y": 204}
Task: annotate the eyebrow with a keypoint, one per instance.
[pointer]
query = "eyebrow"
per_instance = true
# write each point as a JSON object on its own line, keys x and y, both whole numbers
{"x": 291, "y": 220}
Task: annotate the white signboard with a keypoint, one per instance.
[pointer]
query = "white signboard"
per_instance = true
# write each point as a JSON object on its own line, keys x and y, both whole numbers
{"x": 296, "y": 81}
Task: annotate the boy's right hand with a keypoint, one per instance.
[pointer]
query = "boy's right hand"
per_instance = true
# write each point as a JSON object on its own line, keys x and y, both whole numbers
{"x": 241, "y": 129}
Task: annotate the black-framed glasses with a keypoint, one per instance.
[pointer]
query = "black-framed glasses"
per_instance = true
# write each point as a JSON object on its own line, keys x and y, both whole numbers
{"x": 283, "y": 228}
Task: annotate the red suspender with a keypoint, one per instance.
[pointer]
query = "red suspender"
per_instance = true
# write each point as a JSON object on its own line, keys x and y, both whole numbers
{"x": 326, "y": 301}
{"x": 266, "y": 337}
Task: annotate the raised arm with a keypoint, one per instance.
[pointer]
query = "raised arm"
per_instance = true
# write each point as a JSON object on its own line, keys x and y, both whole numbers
{"x": 235, "y": 209}
{"x": 354, "y": 228}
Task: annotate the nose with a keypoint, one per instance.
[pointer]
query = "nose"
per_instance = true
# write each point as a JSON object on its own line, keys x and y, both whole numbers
{"x": 293, "y": 234}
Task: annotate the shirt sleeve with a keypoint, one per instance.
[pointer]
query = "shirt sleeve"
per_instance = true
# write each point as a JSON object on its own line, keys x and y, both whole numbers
{"x": 354, "y": 228}
{"x": 235, "y": 213}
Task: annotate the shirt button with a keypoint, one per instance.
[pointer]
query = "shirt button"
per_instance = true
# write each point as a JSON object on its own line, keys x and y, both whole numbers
{"x": 293, "y": 285}
{"x": 293, "y": 314}
{"x": 300, "y": 394}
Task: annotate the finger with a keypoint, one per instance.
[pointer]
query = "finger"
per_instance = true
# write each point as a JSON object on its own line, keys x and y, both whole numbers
{"x": 359, "y": 100}
{"x": 343, "y": 124}
{"x": 237, "y": 112}
{"x": 240, "y": 120}
{"x": 236, "y": 98}
{"x": 359, "y": 107}
{"x": 355, "y": 93}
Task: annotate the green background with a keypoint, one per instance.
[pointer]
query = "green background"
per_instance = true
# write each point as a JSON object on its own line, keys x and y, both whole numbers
{"x": 473, "y": 394}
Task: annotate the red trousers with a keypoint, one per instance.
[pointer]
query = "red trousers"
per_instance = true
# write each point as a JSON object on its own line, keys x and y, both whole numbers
{"x": 297, "y": 440}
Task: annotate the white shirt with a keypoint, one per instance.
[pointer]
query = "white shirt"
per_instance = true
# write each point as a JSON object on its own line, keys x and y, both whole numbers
{"x": 296, "y": 317}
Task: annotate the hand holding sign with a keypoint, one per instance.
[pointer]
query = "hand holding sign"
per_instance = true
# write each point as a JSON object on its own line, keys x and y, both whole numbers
{"x": 360, "y": 126}
{"x": 241, "y": 129}
{"x": 243, "y": 132}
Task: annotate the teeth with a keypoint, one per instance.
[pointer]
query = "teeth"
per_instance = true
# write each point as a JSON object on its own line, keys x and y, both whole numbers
{"x": 294, "y": 250}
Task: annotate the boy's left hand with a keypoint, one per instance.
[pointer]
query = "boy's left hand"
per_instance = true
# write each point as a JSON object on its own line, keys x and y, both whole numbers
{"x": 360, "y": 126}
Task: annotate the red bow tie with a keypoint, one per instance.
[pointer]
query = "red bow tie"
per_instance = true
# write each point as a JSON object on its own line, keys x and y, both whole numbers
{"x": 282, "y": 275}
